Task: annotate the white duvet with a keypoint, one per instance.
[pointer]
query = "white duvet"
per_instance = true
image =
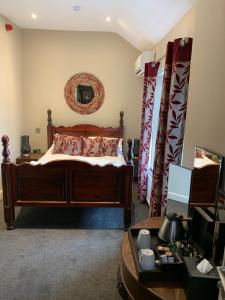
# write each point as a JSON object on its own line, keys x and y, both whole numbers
{"x": 116, "y": 161}
{"x": 202, "y": 162}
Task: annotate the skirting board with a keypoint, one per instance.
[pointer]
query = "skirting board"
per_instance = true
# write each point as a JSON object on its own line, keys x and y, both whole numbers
{"x": 178, "y": 197}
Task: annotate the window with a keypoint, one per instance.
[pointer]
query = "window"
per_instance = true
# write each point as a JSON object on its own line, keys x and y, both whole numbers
{"x": 155, "y": 121}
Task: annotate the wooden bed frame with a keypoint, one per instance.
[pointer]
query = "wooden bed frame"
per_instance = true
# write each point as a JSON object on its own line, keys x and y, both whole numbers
{"x": 67, "y": 183}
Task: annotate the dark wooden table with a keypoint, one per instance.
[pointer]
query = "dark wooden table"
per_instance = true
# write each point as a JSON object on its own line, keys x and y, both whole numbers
{"x": 32, "y": 156}
{"x": 128, "y": 285}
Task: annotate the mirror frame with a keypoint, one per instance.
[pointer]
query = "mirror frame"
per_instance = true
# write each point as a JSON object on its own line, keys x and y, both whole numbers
{"x": 70, "y": 93}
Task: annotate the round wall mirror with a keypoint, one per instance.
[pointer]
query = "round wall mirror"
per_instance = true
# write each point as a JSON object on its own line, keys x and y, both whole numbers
{"x": 84, "y": 93}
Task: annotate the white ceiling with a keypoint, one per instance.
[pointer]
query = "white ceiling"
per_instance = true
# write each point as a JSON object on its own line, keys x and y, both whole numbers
{"x": 141, "y": 22}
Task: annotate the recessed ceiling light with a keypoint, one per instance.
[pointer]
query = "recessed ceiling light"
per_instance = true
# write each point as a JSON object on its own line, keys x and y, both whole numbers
{"x": 108, "y": 19}
{"x": 33, "y": 16}
{"x": 76, "y": 7}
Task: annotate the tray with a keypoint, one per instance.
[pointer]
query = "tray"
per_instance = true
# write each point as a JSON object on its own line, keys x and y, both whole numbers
{"x": 163, "y": 271}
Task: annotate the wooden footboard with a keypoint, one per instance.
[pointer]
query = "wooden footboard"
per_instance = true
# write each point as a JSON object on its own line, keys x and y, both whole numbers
{"x": 65, "y": 184}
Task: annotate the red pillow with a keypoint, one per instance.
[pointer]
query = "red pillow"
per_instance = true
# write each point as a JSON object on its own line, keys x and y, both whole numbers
{"x": 92, "y": 146}
{"x": 109, "y": 146}
{"x": 65, "y": 144}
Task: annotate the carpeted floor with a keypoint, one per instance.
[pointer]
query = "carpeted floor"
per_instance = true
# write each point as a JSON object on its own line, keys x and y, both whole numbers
{"x": 56, "y": 254}
{"x": 52, "y": 264}
{"x": 64, "y": 254}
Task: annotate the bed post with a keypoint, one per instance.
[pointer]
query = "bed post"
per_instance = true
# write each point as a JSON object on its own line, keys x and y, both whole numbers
{"x": 49, "y": 128}
{"x": 128, "y": 209}
{"x": 130, "y": 155}
{"x": 9, "y": 209}
{"x": 121, "y": 119}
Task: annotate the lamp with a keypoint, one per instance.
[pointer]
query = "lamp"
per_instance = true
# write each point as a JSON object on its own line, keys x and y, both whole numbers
{"x": 172, "y": 228}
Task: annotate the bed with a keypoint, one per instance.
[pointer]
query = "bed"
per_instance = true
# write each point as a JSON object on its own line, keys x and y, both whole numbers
{"x": 68, "y": 183}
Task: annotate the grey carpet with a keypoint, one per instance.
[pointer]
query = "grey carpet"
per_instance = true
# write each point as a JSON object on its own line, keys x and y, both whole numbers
{"x": 178, "y": 207}
{"x": 59, "y": 264}
{"x": 85, "y": 218}
{"x": 62, "y": 264}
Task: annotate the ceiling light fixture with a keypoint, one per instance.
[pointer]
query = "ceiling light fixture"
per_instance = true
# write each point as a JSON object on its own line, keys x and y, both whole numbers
{"x": 108, "y": 19}
{"x": 76, "y": 7}
{"x": 33, "y": 16}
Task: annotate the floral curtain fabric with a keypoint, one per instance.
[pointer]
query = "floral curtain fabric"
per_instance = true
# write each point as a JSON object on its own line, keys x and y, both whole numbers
{"x": 172, "y": 117}
{"x": 151, "y": 70}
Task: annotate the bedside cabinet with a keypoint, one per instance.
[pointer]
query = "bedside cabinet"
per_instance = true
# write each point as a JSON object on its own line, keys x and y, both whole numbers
{"x": 32, "y": 156}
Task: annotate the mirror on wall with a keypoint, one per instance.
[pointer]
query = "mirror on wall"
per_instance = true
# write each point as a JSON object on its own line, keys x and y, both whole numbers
{"x": 179, "y": 183}
{"x": 188, "y": 188}
{"x": 84, "y": 93}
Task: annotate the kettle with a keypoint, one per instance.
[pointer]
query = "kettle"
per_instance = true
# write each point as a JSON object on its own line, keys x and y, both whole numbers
{"x": 172, "y": 228}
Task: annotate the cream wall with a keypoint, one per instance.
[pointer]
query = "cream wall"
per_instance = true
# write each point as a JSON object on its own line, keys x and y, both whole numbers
{"x": 205, "y": 125}
{"x": 185, "y": 28}
{"x": 11, "y": 83}
{"x": 52, "y": 57}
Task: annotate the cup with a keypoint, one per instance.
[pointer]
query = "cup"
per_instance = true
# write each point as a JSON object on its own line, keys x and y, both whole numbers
{"x": 164, "y": 258}
{"x": 147, "y": 259}
{"x": 144, "y": 239}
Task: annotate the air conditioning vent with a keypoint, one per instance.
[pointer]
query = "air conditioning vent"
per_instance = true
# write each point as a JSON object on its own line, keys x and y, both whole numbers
{"x": 143, "y": 58}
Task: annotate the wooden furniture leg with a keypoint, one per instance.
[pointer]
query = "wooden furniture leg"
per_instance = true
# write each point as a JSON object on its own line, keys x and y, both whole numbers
{"x": 127, "y": 217}
{"x": 9, "y": 209}
{"x": 120, "y": 286}
{"x": 9, "y": 216}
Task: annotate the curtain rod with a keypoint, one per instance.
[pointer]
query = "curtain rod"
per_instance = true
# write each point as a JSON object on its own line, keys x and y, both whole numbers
{"x": 161, "y": 58}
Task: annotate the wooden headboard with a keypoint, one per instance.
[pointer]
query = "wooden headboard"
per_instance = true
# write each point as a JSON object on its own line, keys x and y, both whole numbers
{"x": 83, "y": 129}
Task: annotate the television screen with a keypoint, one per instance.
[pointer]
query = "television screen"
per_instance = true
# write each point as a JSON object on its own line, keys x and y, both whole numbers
{"x": 202, "y": 231}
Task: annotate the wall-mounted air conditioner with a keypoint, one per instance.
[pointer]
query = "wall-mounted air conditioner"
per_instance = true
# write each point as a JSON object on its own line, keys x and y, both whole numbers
{"x": 143, "y": 58}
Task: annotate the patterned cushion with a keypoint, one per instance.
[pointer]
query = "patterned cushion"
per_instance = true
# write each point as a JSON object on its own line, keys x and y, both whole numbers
{"x": 110, "y": 146}
{"x": 92, "y": 146}
{"x": 65, "y": 144}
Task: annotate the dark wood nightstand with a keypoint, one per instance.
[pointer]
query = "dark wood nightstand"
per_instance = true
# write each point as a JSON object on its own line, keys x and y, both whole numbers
{"x": 32, "y": 156}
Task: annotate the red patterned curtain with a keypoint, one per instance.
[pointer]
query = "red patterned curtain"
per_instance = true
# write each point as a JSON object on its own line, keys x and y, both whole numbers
{"x": 151, "y": 70}
{"x": 172, "y": 118}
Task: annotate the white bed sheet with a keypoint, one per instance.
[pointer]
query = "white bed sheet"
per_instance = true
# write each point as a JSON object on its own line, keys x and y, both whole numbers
{"x": 116, "y": 161}
{"x": 202, "y": 162}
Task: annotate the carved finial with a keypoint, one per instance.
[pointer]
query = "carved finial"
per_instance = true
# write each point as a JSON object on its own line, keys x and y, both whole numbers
{"x": 121, "y": 119}
{"x": 5, "y": 151}
{"x": 49, "y": 112}
{"x": 130, "y": 155}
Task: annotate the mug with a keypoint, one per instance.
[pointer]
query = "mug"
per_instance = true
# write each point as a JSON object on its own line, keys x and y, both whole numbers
{"x": 144, "y": 239}
{"x": 147, "y": 259}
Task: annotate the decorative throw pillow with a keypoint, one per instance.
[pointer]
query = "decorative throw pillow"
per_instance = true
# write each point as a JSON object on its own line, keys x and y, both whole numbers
{"x": 92, "y": 146}
{"x": 110, "y": 146}
{"x": 65, "y": 144}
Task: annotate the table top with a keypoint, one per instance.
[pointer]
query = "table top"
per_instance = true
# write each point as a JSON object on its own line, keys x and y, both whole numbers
{"x": 29, "y": 157}
{"x": 169, "y": 290}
